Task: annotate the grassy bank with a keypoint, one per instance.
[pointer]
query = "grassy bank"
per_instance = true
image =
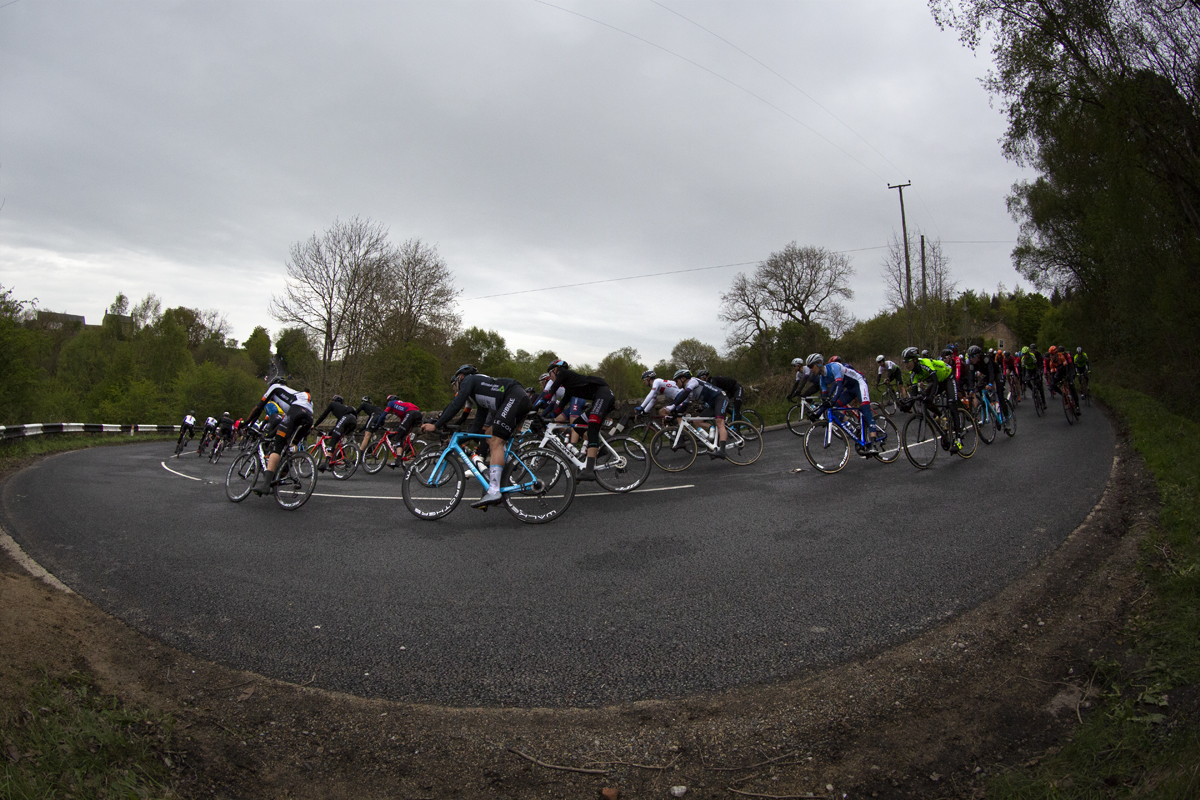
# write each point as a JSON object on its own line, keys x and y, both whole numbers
{"x": 1142, "y": 737}
{"x": 14, "y": 451}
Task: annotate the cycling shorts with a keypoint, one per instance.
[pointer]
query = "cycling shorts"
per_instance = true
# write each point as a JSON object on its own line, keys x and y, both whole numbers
{"x": 292, "y": 426}
{"x": 576, "y": 408}
{"x": 346, "y": 425}
{"x": 376, "y": 421}
{"x": 509, "y": 413}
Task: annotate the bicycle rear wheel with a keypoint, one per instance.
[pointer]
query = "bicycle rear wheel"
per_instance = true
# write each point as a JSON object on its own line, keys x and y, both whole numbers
{"x": 624, "y": 467}
{"x": 297, "y": 479}
{"x": 546, "y": 485}
{"x": 242, "y": 475}
{"x": 887, "y": 440}
{"x": 431, "y": 489}
{"x": 920, "y": 440}
{"x": 826, "y": 447}
{"x": 376, "y": 455}
{"x": 675, "y": 458}
{"x": 1067, "y": 411}
{"x": 970, "y": 434}
{"x": 797, "y": 422}
{"x": 983, "y": 416}
{"x": 744, "y": 444}
{"x": 753, "y": 417}
{"x": 1010, "y": 422}
{"x": 344, "y": 462}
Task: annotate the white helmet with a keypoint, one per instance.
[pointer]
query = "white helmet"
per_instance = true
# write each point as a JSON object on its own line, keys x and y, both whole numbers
{"x": 879, "y": 359}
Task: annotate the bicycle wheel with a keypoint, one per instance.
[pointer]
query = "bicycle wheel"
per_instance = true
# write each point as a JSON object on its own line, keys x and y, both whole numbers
{"x": 431, "y": 489}
{"x": 297, "y": 479}
{"x": 797, "y": 421}
{"x": 643, "y": 433}
{"x": 240, "y": 479}
{"x": 1039, "y": 403}
{"x": 890, "y": 401}
{"x": 753, "y": 417}
{"x": 970, "y": 434}
{"x": 826, "y": 447}
{"x": 887, "y": 440}
{"x": 1085, "y": 393}
{"x": 1067, "y": 412}
{"x": 618, "y": 469}
{"x": 546, "y": 486}
{"x": 983, "y": 418}
{"x": 670, "y": 456}
{"x": 343, "y": 462}
{"x": 376, "y": 455}
{"x": 920, "y": 440}
{"x": 744, "y": 445}
{"x": 1010, "y": 422}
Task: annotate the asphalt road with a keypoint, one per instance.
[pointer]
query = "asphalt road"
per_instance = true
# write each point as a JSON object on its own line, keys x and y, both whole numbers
{"x": 715, "y": 577}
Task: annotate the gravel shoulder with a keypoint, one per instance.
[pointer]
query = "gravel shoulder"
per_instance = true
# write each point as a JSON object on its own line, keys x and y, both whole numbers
{"x": 990, "y": 689}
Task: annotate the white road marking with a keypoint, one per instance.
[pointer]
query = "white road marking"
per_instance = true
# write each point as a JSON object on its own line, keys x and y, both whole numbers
{"x": 180, "y": 474}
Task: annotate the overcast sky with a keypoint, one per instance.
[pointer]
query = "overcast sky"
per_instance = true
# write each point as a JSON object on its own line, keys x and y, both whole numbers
{"x": 180, "y": 148}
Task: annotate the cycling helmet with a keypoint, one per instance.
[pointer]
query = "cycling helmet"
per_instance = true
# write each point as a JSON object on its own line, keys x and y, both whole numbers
{"x": 366, "y": 400}
{"x": 974, "y": 350}
{"x": 649, "y": 375}
{"x": 797, "y": 362}
{"x": 465, "y": 369}
{"x": 909, "y": 354}
{"x": 557, "y": 364}
{"x": 681, "y": 373}
{"x": 703, "y": 372}
{"x": 1024, "y": 349}
{"x": 191, "y": 413}
{"x": 947, "y": 352}
{"x": 834, "y": 360}
{"x": 1078, "y": 349}
{"x": 924, "y": 354}
{"x": 545, "y": 377}
{"x": 814, "y": 359}
{"x": 390, "y": 398}
{"x": 1052, "y": 350}
{"x": 879, "y": 359}
{"x": 337, "y": 398}
{"x": 225, "y": 414}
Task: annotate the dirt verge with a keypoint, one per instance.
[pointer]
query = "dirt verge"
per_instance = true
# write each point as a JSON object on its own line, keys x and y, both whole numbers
{"x": 994, "y": 687}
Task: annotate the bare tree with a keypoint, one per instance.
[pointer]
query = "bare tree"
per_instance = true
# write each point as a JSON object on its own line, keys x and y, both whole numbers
{"x": 932, "y": 305}
{"x": 331, "y": 280}
{"x": 744, "y": 310}
{"x": 419, "y": 297}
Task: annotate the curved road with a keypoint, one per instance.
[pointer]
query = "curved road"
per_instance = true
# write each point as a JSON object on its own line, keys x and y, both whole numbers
{"x": 716, "y": 577}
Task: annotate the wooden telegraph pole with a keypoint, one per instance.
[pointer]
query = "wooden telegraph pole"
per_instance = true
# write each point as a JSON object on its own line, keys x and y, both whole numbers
{"x": 907, "y": 262}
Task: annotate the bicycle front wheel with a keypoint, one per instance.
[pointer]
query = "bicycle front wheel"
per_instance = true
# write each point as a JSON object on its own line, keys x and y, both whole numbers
{"x": 431, "y": 489}
{"x": 753, "y": 417}
{"x": 797, "y": 422}
{"x": 242, "y": 475}
{"x": 1067, "y": 410}
{"x": 744, "y": 445}
{"x": 297, "y": 479}
{"x": 1010, "y": 422}
{"x": 622, "y": 465}
{"x": 970, "y": 434}
{"x": 826, "y": 447}
{"x": 544, "y": 485}
{"x": 375, "y": 457}
{"x": 984, "y": 420}
{"x": 669, "y": 455}
{"x": 344, "y": 463}
{"x": 887, "y": 440}
{"x": 920, "y": 440}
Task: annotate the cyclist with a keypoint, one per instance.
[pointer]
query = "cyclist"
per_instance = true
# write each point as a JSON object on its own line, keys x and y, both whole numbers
{"x": 225, "y": 428}
{"x": 293, "y": 419}
{"x": 210, "y": 431}
{"x": 938, "y": 376}
{"x": 347, "y": 421}
{"x": 1082, "y": 367}
{"x": 188, "y": 427}
{"x": 1062, "y": 371}
{"x": 845, "y": 386}
{"x": 659, "y": 387}
{"x": 1031, "y": 372}
{"x": 732, "y": 389}
{"x": 408, "y": 413}
{"x": 889, "y": 372}
{"x": 588, "y": 387}
{"x": 707, "y": 394}
{"x": 988, "y": 372}
{"x": 506, "y": 402}
{"x": 375, "y": 417}
{"x": 806, "y": 382}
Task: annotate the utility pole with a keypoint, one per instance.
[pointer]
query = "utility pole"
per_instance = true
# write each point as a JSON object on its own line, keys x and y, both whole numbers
{"x": 907, "y": 262}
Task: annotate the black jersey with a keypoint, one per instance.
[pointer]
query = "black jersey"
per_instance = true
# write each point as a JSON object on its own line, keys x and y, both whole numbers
{"x": 482, "y": 390}
{"x": 576, "y": 385}
{"x": 336, "y": 410}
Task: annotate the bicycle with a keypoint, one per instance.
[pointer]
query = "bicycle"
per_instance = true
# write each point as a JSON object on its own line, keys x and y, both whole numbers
{"x": 622, "y": 464}
{"x": 204, "y": 442}
{"x": 536, "y": 485}
{"x": 747, "y": 415}
{"x": 827, "y": 441}
{"x": 799, "y": 416}
{"x": 674, "y": 449}
{"x": 295, "y": 478}
{"x": 644, "y": 431}
{"x": 384, "y": 450}
{"x": 1035, "y": 391}
{"x": 1085, "y": 392}
{"x": 340, "y": 461}
{"x": 218, "y": 449}
{"x": 926, "y": 430}
{"x": 1070, "y": 405}
{"x": 891, "y": 398}
{"x": 990, "y": 418}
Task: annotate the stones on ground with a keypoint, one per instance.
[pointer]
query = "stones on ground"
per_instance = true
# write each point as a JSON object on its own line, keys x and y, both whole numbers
{"x": 678, "y": 791}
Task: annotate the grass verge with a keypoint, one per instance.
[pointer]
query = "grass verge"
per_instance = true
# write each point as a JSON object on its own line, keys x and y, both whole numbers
{"x": 1142, "y": 737}
{"x": 71, "y": 741}
{"x": 13, "y": 451}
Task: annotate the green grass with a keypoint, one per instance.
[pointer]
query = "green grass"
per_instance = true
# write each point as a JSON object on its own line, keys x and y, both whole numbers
{"x": 71, "y": 741}
{"x": 1138, "y": 741}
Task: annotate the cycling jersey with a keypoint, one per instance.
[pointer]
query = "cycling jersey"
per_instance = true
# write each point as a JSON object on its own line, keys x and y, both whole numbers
{"x": 400, "y": 408}
{"x": 833, "y": 377}
{"x": 497, "y": 395}
{"x": 226, "y": 426}
{"x": 805, "y": 377}
{"x": 340, "y": 412}
{"x": 189, "y": 421}
{"x": 930, "y": 369}
{"x": 284, "y": 397}
{"x": 888, "y": 370}
{"x": 659, "y": 388}
{"x": 210, "y": 424}
{"x": 706, "y": 393}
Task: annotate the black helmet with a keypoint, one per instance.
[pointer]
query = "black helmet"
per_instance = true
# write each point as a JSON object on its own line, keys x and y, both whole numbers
{"x": 557, "y": 363}
{"x": 337, "y": 398}
{"x": 390, "y": 398}
{"x": 974, "y": 350}
{"x": 649, "y": 374}
{"x": 909, "y": 354}
{"x": 703, "y": 371}
{"x": 465, "y": 369}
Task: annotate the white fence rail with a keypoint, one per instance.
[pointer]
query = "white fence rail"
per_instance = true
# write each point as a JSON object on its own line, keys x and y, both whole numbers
{"x": 10, "y": 432}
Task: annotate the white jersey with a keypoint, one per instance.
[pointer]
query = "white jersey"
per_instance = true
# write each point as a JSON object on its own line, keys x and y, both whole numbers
{"x": 853, "y": 374}
{"x": 211, "y": 422}
{"x": 190, "y": 421}
{"x": 285, "y": 397}
{"x": 659, "y": 388}
{"x": 886, "y": 367}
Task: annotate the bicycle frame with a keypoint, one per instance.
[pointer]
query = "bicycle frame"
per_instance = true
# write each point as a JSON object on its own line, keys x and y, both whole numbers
{"x": 402, "y": 452}
{"x": 549, "y": 439}
{"x": 833, "y": 415}
{"x": 454, "y": 448}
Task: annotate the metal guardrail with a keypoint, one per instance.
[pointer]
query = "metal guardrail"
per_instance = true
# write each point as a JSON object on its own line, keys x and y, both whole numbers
{"x": 9, "y": 432}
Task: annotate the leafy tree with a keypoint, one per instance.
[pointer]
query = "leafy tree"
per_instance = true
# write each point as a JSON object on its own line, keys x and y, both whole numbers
{"x": 693, "y": 354}
{"x": 622, "y": 370}
{"x": 258, "y": 348}
{"x": 485, "y": 350}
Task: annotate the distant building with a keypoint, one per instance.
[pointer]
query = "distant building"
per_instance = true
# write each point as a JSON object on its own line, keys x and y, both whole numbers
{"x": 1002, "y": 335}
{"x": 54, "y": 321}
{"x": 121, "y": 322}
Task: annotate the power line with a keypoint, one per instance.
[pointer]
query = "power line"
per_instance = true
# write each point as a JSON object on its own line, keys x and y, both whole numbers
{"x": 614, "y": 280}
{"x": 715, "y": 74}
